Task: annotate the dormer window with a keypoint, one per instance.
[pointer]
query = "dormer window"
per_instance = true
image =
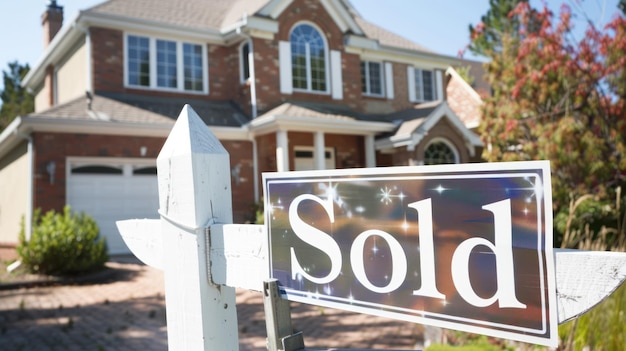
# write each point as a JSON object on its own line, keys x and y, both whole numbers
{"x": 161, "y": 64}
{"x": 308, "y": 59}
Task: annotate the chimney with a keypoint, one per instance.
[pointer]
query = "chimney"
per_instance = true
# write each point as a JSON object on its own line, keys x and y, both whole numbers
{"x": 51, "y": 21}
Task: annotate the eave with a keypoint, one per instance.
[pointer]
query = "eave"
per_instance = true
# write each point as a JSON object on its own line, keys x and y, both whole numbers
{"x": 371, "y": 48}
{"x": 273, "y": 123}
{"x": 22, "y": 127}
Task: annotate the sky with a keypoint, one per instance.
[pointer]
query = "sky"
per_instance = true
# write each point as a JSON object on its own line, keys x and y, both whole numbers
{"x": 441, "y": 26}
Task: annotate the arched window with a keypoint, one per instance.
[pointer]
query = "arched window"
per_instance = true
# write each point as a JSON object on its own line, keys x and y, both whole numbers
{"x": 308, "y": 58}
{"x": 440, "y": 151}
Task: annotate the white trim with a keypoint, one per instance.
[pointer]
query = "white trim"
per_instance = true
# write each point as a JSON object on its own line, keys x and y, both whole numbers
{"x": 457, "y": 158}
{"x": 319, "y": 156}
{"x": 274, "y": 8}
{"x": 368, "y": 81}
{"x": 410, "y": 77}
{"x": 284, "y": 62}
{"x": 336, "y": 75}
{"x": 370, "y": 151}
{"x": 309, "y": 80}
{"x": 282, "y": 151}
{"x": 342, "y": 18}
{"x": 410, "y": 140}
{"x": 268, "y": 124}
{"x": 389, "y": 81}
{"x": 439, "y": 85}
{"x": 358, "y": 45}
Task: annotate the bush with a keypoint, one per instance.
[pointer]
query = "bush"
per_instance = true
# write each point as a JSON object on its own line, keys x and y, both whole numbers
{"x": 62, "y": 244}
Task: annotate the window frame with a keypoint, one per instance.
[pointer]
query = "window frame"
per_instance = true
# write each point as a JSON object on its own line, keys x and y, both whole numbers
{"x": 446, "y": 142}
{"x": 418, "y": 78}
{"x": 367, "y": 78}
{"x": 180, "y": 65}
{"x": 308, "y": 66}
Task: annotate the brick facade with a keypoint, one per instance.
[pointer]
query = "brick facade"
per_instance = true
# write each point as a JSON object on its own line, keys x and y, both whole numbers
{"x": 57, "y": 147}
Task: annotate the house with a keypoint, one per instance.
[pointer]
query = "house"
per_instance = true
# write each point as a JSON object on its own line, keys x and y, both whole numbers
{"x": 284, "y": 84}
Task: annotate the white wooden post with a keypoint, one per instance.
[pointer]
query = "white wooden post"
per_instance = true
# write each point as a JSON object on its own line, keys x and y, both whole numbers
{"x": 194, "y": 192}
{"x": 204, "y": 257}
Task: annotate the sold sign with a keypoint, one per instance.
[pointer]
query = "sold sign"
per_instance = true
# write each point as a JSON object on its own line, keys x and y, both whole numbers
{"x": 466, "y": 247}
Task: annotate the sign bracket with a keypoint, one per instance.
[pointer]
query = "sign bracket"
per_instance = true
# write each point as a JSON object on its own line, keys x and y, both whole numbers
{"x": 280, "y": 334}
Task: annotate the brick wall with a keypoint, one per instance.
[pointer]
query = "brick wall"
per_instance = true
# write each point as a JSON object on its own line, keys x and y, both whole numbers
{"x": 58, "y": 146}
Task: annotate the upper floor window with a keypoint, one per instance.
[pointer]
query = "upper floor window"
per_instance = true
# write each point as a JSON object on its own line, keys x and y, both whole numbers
{"x": 371, "y": 78}
{"x": 308, "y": 59}
{"x": 439, "y": 152}
{"x": 244, "y": 53}
{"x": 165, "y": 64}
{"x": 138, "y": 61}
{"x": 424, "y": 85}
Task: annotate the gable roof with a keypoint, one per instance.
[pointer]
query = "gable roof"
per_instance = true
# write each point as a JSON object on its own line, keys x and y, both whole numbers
{"x": 463, "y": 99}
{"x": 329, "y": 118}
{"x": 213, "y": 113}
{"x": 387, "y": 38}
{"x": 101, "y": 108}
{"x": 199, "y": 14}
{"x": 413, "y": 125}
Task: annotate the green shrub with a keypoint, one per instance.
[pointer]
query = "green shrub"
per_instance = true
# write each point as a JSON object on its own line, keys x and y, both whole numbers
{"x": 62, "y": 244}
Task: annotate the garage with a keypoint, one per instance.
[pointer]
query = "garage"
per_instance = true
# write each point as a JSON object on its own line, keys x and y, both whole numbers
{"x": 113, "y": 189}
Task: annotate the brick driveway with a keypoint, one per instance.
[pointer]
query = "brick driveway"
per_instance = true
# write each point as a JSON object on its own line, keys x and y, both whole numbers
{"x": 127, "y": 312}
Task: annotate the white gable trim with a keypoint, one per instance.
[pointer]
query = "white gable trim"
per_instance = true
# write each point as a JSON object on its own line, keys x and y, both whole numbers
{"x": 335, "y": 9}
{"x": 272, "y": 123}
{"x": 341, "y": 16}
{"x": 410, "y": 140}
{"x": 274, "y": 8}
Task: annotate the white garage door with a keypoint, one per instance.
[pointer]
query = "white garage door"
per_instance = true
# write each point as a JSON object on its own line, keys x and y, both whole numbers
{"x": 113, "y": 191}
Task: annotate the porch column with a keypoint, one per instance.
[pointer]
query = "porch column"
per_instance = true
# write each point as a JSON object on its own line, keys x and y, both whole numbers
{"x": 282, "y": 151}
{"x": 320, "y": 151}
{"x": 370, "y": 151}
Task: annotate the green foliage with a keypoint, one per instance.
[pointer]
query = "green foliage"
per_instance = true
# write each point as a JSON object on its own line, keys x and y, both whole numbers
{"x": 62, "y": 244}
{"x": 16, "y": 101}
{"x": 602, "y": 328}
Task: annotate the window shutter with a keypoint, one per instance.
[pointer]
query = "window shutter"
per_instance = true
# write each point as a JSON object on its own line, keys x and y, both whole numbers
{"x": 389, "y": 80}
{"x": 439, "y": 85}
{"x": 410, "y": 77}
{"x": 335, "y": 75}
{"x": 284, "y": 60}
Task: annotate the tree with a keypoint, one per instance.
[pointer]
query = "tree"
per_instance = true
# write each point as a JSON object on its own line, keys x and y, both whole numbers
{"x": 16, "y": 101}
{"x": 558, "y": 100}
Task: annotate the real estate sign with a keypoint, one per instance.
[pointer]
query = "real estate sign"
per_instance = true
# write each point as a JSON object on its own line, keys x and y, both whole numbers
{"x": 466, "y": 247}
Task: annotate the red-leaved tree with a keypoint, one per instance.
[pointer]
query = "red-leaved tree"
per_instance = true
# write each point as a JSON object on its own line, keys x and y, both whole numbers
{"x": 561, "y": 100}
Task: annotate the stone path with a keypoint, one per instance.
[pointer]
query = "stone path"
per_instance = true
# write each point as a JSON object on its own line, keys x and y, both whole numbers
{"x": 127, "y": 312}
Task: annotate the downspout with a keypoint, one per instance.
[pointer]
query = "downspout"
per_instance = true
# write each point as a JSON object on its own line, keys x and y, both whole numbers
{"x": 252, "y": 77}
{"x": 253, "y": 104}
{"x": 255, "y": 167}
{"x": 29, "y": 193}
